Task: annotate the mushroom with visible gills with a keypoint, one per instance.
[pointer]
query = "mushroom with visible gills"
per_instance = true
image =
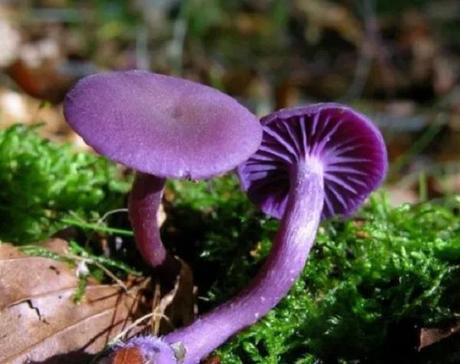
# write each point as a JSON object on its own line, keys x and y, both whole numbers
{"x": 162, "y": 127}
{"x": 314, "y": 161}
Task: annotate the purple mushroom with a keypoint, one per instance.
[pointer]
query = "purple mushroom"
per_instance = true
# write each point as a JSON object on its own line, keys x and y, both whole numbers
{"x": 314, "y": 161}
{"x": 162, "y": 127}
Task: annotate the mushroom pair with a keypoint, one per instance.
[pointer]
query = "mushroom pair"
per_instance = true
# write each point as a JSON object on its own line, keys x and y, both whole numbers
{"x": 313, "y": 162}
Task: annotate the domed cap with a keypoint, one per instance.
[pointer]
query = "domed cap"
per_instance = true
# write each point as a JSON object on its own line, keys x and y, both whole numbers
{"x": 348, "y": 148}
{"x": 162, "y": 125}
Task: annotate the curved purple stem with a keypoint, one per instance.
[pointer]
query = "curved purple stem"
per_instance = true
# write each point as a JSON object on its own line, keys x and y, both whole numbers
{"x": 287, "y": 258}
{"x": 143, "y": 205}
{"x": 313, "y": 160}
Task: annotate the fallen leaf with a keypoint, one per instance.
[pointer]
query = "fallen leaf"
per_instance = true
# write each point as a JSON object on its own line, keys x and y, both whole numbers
{"x": 127, "y": 356}
{"x": 213, "y": 359}
{"x": 433, "y": 335}
{"x": 440, "y": 344}
{"x": 177, "y": 307}
{"x": 39, "y": 320}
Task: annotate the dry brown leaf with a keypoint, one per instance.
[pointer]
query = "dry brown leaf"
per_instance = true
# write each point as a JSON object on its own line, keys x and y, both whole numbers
{"x": 177, "y": 307}
{"x": 433, "y": 335}
{"x": 440, "y": 345}
{"x": 39, "y": 321}
{"x": 213, "y": 359}
{"x": 127, "y": 356}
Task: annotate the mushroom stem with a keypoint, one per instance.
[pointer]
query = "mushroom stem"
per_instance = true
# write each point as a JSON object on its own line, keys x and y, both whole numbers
{"x": 144, "y": 203}
{"x": 287, "y": 257}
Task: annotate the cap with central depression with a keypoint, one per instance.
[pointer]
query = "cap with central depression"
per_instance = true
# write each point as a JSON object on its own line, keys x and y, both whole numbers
{"x": 162, "y": 125}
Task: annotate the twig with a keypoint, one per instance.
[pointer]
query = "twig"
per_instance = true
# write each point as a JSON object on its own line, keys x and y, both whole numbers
{"x": 111, "y": 212}
{"x": 96, "y": 227}
{"x": 133, "y": 325}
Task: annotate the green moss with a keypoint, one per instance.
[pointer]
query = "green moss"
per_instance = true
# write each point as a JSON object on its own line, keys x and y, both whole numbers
{"x": 42, "y": 182}
{"x": 385, "y": 272}
{"x": 368, "y": 282}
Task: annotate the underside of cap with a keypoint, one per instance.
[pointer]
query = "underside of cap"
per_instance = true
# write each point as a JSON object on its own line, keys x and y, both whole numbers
{"x": 162, "y": 125}
{"x": 347, "y": 146}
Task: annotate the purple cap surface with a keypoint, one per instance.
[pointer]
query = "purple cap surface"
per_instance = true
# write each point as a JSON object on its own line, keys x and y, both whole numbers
{"x": 162, "y": 125}
{"x": 347, "y": 147}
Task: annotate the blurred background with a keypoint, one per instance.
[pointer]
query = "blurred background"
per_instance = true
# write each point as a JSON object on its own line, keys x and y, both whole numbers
{"x": 396, "y": 60}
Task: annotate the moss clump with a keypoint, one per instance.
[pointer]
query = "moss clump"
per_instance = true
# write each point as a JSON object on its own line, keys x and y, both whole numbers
{"x": 41, "y": 182}
{"x": 369, "y": 281}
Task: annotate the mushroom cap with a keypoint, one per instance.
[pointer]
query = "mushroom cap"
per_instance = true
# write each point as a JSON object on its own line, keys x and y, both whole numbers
{"x": 347, "y": 147}
{"x": 162, "y": 125}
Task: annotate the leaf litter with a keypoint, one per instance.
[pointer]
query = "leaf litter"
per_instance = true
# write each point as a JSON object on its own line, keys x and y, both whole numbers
{"x": 48, "y": 316}
{"x": 39, "y": 318}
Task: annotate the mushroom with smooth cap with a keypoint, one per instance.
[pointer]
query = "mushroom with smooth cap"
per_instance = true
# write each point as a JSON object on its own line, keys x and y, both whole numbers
{"x": 163, "y": 127}
{"x": 314, "y": 161}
